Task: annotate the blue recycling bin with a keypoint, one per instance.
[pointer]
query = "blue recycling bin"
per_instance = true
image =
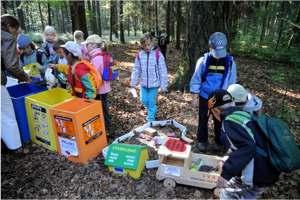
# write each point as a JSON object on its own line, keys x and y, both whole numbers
{"x": 18, "y": 94}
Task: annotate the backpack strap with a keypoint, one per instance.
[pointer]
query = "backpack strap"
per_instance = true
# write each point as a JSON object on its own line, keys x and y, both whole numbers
{"x": 242, "y": 118}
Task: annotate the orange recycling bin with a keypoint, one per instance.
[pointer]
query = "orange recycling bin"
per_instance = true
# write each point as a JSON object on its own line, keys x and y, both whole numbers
{"x": 79, "y": 129}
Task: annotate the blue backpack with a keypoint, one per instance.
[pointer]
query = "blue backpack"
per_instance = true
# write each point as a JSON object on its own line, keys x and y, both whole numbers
{"x": 282, "y": 150}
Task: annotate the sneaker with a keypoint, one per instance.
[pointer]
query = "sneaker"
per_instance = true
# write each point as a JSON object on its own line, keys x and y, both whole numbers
{"x": 202, "y": 147}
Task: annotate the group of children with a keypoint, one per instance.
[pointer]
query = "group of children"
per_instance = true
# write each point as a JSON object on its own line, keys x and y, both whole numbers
{"x": 244, "y": 172}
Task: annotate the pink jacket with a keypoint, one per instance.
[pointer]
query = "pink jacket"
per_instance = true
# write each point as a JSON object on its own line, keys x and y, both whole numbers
{"x": 97, "y": 61}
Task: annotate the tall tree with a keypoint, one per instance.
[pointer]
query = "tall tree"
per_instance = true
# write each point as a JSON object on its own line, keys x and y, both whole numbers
{"x": 113, "y": 19}
{"x": 122, "y": 38}
{"x": 283, "y": 13}
{"x": 41, "y": 15}
{"x": 4, "y": 6}
{"x": 168, "y": 14}
{"x": 295, "y": 37}
{"x": 21, "y": 18}
{"x": 77, "y": 9}
{"x": 264, "y": 22}
{"x": 98, "y": 12}
{"x": 49, "y": 13}
{"x": 156, "y": 18}
{"x": 178, "y": 23}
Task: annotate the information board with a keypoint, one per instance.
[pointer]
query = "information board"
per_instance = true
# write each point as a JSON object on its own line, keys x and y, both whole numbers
{"x": 124, "y": 155}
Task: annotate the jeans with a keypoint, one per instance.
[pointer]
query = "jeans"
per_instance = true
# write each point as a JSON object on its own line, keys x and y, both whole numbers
{"x": 148, "y": 97}
{"x": 202, "y": 134}
{"x": 105, "y": 108}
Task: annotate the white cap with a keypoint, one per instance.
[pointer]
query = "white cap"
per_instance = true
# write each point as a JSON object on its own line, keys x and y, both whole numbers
{"x": 93, "y": 39}
{"x": 73, "y": 48}
{"x": 238, "y": 92}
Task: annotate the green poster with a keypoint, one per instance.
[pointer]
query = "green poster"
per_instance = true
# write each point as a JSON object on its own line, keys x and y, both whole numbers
{"x": 124, "y": 155}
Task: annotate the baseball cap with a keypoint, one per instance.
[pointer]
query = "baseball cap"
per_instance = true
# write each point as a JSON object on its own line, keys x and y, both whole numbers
{"x": 73, "y": 48}
{"x": 238, "y": 92}
{"x": 93, "y": 39}
{"x": 218, "y": 43}
{"x": 23, "y": 41}
{"x": 219, "y": 98}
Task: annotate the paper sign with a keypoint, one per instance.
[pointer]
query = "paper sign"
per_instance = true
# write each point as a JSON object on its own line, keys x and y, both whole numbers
{"x": 68, "y": 146}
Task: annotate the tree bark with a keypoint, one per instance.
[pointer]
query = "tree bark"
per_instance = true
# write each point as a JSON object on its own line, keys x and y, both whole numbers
{"x": 178, "y": 23}
{"x": 122, "y": 38}
{"x": 156, "y": 18}
{"x": 21, "y": 18}
{"x": 264, "y": 23}
{"x": 41, "y": 16}
{"x": 128, "y": 26}
{"x": 168, "y": 13}
{"x": 4, "y": 6}
{"x": 98, "y": 11}
{"x": 49, "y": 14}
{"x": 77, "y": 10}
{"x": 283, "y": 14}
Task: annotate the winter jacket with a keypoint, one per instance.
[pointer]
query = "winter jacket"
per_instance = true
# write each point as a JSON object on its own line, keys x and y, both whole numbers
{"x": 149, "y": 71}
{"x": 79, "y": 79}
{"x": 214, "y": 79}
{"x": 10, "y": 59}
{"x": 97, "y": 61}
{"x": 244, "y": 149}
{"x": 51, "y": 54}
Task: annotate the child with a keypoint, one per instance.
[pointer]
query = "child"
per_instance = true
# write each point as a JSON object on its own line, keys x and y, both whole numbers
{"x": 82, "y": 75}
{"x": 47, "y": 46}
{"x": 79, "y": 39}
{"x": 60, "y": 52}
{"x": 247, "y": 169}
{"x": 215, "y": 70}
{"x": 150, "y": 72}
{"x": 32, "y": 60}
{"x": 244, "y": 99}
{"x": 99, "y": 59}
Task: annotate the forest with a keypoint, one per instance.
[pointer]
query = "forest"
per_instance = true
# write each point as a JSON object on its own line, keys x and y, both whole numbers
{"x": 263, "y": 37}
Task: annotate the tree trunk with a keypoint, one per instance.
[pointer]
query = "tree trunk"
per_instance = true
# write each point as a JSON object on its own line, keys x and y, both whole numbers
{"x": 98, "y": 11}
{"x": 49, "y": 14}
{"x": 21, "y": 18}
{"x": 77, "y": 10}
{"x": 4, "y": 6}
{"x": 172, "y": 21}
{"x": 156, "y": 18}
{"x": 111, "y": 20}
{"x": 264, "y": 20}
{"x": 41, "y": 16}
{"x": 168, "y": 13}
{"x": 14, "y": 8}
{"x": 280, "y": 25}
{"x": 63, "y": 27}
{"x": 122, "y": 38}
{"x": 128, "y": 26}
{"x": 178, "y": 23}
{"x": 295, "y": 37}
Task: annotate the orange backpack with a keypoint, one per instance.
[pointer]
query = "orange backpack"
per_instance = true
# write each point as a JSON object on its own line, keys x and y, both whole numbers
{"x": 96, "y": 78}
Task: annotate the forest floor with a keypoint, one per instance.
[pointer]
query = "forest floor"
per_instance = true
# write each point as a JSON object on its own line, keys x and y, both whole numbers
{"x": 39, "y": 173}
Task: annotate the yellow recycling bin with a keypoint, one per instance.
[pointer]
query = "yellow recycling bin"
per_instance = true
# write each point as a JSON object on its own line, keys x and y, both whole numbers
{"x": 39, "y": 119}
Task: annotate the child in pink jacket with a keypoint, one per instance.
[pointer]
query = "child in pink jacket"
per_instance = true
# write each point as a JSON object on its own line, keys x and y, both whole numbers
{"x": 99, "y": 58}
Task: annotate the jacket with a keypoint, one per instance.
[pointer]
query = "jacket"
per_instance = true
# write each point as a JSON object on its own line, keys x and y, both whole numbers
{"x": 149, "y": 71}
{"x": 30, "y": 59}
{"x": 244, "y": 149}
{"x": 10, "y": 59}
{"x": 97, "y": 61}
{"x": 79, "y": 79}
{"x": 214, "y": 79}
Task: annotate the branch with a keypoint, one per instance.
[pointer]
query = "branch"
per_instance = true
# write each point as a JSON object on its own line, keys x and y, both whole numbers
{"x": 291, "y": 23}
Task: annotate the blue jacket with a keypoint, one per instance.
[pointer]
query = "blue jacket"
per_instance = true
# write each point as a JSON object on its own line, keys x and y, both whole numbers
{"x": 204, "y": 86}
{"x": 244, "y": 149}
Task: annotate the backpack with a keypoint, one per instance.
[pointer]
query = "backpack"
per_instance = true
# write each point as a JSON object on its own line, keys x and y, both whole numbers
{"x": 96, "y": 78}
{"x": 228, "y": 64}
{"x": 282, "y": 149}
{"x": 108, "y": 73}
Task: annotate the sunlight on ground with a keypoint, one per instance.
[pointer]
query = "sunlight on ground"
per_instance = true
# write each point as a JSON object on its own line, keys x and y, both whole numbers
{"x": 288, "y": 93}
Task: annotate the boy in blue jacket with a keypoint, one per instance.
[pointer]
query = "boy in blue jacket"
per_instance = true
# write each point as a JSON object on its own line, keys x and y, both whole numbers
{"x": 247, "y": 170}
{"x": 215, "y": 70}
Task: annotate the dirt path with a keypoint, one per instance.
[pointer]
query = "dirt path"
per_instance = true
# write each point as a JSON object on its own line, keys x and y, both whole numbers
{"x": 39, "y": 173}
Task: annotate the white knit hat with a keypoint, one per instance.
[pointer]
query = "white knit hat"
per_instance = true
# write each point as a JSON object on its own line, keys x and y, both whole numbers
{"x": 93, "y": 39}
{"x": 238, "y": 92}
{"x": 73, "y": 48}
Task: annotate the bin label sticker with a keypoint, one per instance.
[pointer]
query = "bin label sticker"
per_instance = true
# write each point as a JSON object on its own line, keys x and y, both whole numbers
{"x": 92, "y": 129}
{"x": 40, "y": 123}
{"x": 68, "y": 147}
{"x": 171, "y": 170}
{"x": 64, "y": 126}
{"x": 123, "y": 155}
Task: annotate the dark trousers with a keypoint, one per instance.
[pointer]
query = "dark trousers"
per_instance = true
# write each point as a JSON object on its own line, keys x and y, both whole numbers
{"x": 202, "y": 134}
{"x": 105, "y": 107}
